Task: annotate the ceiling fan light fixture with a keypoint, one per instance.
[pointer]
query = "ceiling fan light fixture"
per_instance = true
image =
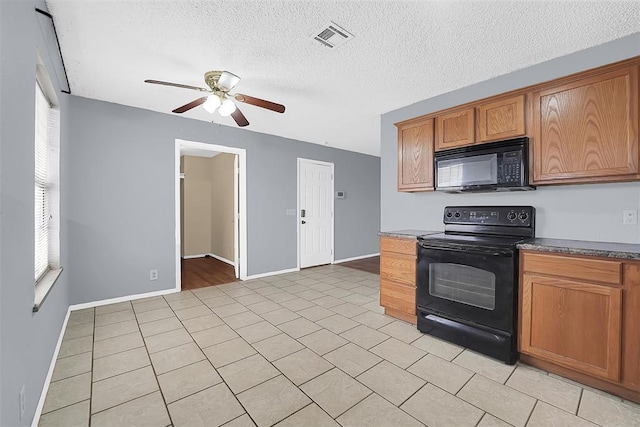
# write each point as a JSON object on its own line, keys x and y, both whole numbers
{"x": 227, "y": 108}
{"x": 212, "y": 102}
{"x": 227, "y": 81}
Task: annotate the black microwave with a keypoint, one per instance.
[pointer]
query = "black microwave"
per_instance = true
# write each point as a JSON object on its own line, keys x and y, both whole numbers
{"x": 497, "y": 166}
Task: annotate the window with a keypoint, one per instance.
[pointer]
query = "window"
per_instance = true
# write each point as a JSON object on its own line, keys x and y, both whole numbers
{"x": 46, "y": 187}
{"x": 41, "y": 204}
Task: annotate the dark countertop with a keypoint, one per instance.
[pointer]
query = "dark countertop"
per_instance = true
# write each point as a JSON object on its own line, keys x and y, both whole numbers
{"x": 406, "y": 234}
{"x": 582, "y": 247}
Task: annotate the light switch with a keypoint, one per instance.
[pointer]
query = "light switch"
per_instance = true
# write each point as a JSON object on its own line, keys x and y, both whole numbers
{"x": 630, "y": 217}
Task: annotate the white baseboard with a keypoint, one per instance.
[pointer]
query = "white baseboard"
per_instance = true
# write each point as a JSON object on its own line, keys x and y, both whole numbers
{"x": 47, "y": 381}
{"x": 219, "y": 258}
{"x": 272, "y": 273}
{"x": 355, "y": 258}
{"x": 121, "y": 299}
{"x": 194, "y": 256}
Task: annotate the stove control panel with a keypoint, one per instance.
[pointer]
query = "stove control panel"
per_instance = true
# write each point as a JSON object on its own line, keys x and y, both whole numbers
{"x": 521, "y": 216}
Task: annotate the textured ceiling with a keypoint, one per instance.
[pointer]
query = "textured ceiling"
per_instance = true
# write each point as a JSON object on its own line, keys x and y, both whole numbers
{"x": 403, "y": 52}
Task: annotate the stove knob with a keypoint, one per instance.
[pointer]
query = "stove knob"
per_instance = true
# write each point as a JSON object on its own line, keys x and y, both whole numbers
{"x": 523, "y": 216}
{"x": 457, "y": 215}
{"x": 511, "y": 215}
{"x": 449, "y": 214}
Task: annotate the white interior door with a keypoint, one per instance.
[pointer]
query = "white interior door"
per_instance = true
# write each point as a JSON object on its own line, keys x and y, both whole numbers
{"x": 315, "y": 212}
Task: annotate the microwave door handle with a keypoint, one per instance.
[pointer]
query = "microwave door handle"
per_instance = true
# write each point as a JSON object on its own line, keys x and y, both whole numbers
{"x": 470, "y": 249}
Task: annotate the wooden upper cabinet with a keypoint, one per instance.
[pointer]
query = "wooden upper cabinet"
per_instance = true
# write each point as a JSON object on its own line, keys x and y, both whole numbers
{"x": 587, "y": 129}
{"x": 455, "y": 129}
{"x": 415, "y": 155}
{"x": 502, "y": 119}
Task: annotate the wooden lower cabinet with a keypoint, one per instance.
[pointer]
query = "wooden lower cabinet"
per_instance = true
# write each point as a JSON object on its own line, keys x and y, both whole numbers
{"x": 573, "y": 323}
{"x": 582, "y": 315}
{"x": 398, "y": 277}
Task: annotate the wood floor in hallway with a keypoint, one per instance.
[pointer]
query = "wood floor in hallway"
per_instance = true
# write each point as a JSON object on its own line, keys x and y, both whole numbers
{"x": 370, "y": 265}
{"x": 206, "y": 271}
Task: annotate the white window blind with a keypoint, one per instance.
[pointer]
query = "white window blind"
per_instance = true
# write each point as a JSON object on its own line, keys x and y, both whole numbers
{"x": 42, "y": 183}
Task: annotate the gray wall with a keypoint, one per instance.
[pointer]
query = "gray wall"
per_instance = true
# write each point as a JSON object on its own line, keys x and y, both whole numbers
{"x": 584, "y": 212}
{"x": 27, "y": 339}
{"x": 121, "y": 197}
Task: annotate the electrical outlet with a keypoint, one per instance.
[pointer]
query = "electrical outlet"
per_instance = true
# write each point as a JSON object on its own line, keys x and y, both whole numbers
{"x": 23, "y": 401}
{"x": 153, "y": 274}
{"x": 629, "y": 217}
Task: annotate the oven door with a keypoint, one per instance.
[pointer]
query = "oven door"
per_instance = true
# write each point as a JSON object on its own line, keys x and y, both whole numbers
{"x": 471, "y": 284}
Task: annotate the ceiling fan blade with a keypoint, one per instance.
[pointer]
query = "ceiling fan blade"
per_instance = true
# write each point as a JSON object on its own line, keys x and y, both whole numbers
{"x": 159, "y": 82}
{"x": 279, "y": 108}
{"x": 190, "y": 105}
{"x": 240, "y": 119}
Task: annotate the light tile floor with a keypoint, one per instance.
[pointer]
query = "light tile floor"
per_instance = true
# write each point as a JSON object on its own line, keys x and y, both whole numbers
{"x": 300, "y": 349}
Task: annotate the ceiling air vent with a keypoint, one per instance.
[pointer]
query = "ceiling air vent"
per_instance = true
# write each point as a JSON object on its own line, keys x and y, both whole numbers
{"x": 332, "y": 35}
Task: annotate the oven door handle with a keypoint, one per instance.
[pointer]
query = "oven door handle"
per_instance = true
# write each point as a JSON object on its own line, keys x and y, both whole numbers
{"x": 470, "y": 249}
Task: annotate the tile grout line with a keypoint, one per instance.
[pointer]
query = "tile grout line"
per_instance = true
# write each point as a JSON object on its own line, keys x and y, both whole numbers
{"x": 531, "y": 413}
{"x": 348, "y": 341}
{"x": 138, "y": 324}
{"x": 308, "y": 286}
{"x": 93, "y": 347}
{"x": 153, "y": 369}
{"x": 223, "y": 381}
{"x": 281, "y": 373}
{"x": 124, "y": 403}
{"x": 71, "y": 376}
{"x": 582, "y": 390}
{"x": 542, "y": 400}
{"x": 472, "y": 404}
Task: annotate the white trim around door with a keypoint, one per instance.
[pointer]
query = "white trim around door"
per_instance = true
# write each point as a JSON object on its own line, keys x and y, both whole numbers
{"x": 241, "y": 235}
{"x": 298, "y": 204}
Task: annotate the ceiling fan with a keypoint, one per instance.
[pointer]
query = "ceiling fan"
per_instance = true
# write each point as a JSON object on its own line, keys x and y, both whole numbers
{"x": 220, "y": 84}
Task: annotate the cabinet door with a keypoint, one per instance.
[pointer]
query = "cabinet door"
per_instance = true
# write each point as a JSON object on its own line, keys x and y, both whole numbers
{"x": 502, "y": 119}
{"x": 572, "y": 323}
{"x": 415, "y": 156}
{"x": 455, "y": 129}
{"x": 587, "y": 130}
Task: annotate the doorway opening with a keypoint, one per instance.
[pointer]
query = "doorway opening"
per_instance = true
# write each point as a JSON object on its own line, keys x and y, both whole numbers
{"x": 315, "y": 213}
{"x": 210, "y": 214}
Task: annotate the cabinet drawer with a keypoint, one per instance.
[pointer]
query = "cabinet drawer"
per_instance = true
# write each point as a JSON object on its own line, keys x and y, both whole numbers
{"x": 398, "y": 245}
{"x": 398, "y": 297}
{"x": 398, "y": 268}
{"x": 595, "y": 270}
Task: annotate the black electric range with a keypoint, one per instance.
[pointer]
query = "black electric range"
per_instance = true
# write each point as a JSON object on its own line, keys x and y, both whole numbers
{"x": 467, "y": 277}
